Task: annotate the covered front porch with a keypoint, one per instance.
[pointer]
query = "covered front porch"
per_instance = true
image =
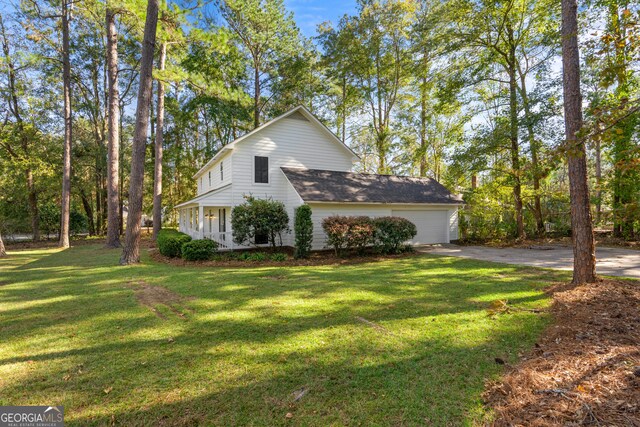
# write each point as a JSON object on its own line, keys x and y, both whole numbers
{"x": 207, "y": 222}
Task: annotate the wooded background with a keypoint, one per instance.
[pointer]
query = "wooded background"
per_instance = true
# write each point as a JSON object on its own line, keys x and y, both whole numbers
{"x": 466, "y": 92}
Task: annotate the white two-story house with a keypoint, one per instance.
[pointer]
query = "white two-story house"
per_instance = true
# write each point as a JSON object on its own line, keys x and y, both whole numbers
{"x": 294, "y": 158}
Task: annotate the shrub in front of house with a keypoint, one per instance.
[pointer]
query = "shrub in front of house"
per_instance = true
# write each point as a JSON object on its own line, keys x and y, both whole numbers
{"x": 257, "y": 256}
{"x": 348, "y": 232}
{"x": 279, "y": 257}
{"x": 170, "y": 242}
{"x": 303, "y": 229}
{"x": 391, "y": 232}
{"x": 199, "y": 250}
{"x": 259, "y": 217}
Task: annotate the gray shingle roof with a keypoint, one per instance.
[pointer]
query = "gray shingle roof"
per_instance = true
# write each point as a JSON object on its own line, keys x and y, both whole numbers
{"x": 315, "y": 185}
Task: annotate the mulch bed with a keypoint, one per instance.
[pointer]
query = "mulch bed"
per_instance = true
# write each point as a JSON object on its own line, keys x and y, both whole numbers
{"x": 316, "y": 259}
{"x": 585, "y": 370}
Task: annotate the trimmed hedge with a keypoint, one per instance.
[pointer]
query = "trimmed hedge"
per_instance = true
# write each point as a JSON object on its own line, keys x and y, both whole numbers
{"x": 303, "y": 228}
{"x": 349, "y": 232}
{"x": 387, "y": 233}
{"x": 199, "y": 250}
{"x": 391, "y": 233}
{"x": 170, "y": 242}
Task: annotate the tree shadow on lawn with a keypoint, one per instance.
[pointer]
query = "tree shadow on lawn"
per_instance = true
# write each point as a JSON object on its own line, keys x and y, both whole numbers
{"x": 362, "y": 380}
{"x": 257, "y": 335}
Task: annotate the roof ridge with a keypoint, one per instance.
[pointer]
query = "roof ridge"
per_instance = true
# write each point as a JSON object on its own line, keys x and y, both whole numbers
{"x": 360, "y": 173}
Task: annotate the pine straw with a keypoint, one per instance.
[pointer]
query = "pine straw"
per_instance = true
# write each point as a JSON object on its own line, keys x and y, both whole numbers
{"x": 317, "y": 258}
{"x": 585, "y": 370}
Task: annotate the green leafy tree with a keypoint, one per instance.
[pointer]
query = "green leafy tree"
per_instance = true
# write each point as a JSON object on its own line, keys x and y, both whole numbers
{"x": 377, "y": 47}
{"x": 268, "y": 34}
{"x": 259, "y": 217}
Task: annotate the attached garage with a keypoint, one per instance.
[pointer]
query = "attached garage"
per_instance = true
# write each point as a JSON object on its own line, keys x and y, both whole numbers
{"x": 432, "y": 225}
{"x": 423, "y": 201}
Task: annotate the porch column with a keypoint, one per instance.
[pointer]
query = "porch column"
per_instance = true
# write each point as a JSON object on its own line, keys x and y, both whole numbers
{"x": 201, "y": 221}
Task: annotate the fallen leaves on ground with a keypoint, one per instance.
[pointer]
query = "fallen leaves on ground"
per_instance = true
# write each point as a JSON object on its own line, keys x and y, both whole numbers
{"x": 582, "y": 371}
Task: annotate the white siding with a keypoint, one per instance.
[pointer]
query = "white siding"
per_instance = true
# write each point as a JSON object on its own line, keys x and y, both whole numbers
{"x": 292, "y": 201}
{"x": 287, "y": 143}
{"x": 214, "y": 170}
{"x": 221, "y": 197}
{"x": 453, "y": 224}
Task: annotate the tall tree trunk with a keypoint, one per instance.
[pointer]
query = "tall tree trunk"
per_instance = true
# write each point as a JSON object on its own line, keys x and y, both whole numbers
{"x": 86, "y": 204}
{"x": 515, "y": 148}
{"x": 423, "y": 127}
{"x": 157, "y": 176}
{"x": 3, "y": 252}
{"x": 256, "y": 97}
{"x": 33, "y": 205}
{"x": 584, "y": 256}
{"x": 98, "y": 217}
{"x": 113, "y": 137}
{"x": 344, "y": 108}
{"x": 65, "y": 199}
{"x": 131, "y": 251}
{"x": 381, "y": 143}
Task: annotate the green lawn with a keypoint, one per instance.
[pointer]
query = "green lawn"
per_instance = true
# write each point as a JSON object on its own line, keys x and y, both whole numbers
{"x": 399, "y": 342}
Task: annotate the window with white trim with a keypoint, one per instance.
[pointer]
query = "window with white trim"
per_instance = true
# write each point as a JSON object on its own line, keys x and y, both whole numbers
{"x": 261, "y": 170}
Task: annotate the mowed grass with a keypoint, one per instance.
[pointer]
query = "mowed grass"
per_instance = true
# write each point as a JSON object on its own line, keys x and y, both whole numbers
{"x": 399, "y": 342}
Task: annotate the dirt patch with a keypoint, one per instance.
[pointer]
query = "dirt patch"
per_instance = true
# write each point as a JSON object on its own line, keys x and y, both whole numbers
{"x": 154, "y": 296}
{"x": 316, "y": 259}
{"x": 585, "y": 370}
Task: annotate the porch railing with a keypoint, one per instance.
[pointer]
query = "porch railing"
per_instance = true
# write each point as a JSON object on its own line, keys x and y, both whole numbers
{"x": 224, "y": 240}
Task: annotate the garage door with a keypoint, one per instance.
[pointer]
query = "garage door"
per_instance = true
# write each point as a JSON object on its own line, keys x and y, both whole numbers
{"x": 431, "y": 225}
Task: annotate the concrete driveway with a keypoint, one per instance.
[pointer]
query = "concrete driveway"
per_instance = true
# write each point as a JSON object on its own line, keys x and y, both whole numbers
{"x": 609, "y": 261}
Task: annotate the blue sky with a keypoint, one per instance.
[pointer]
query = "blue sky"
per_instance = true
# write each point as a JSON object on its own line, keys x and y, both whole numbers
{"x": 309, "y": 13}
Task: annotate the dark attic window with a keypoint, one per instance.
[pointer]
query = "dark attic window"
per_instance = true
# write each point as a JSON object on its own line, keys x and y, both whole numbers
{"x": 261, "y": 173}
